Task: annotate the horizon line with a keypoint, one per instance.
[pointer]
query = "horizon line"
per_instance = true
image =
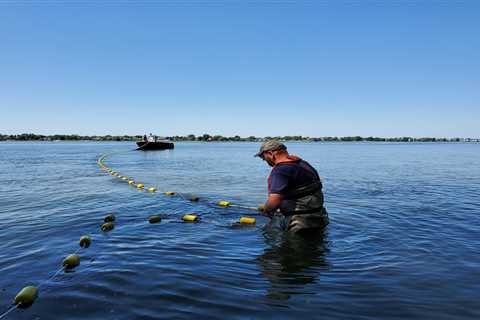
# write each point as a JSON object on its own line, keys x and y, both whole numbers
{"x": 208, "y": 135}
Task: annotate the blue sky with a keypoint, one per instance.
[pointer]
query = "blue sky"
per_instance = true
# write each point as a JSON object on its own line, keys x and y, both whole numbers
{"x": 316, "y": 68}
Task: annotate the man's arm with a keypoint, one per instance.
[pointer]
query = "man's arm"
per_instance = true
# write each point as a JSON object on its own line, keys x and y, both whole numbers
{"x": 273, "y": 203}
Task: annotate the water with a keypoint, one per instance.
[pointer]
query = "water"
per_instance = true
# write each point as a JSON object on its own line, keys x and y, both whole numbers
{"x": 403, "y": 241}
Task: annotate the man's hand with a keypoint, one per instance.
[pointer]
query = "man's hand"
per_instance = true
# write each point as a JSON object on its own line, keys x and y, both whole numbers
{"x": 273, "y": 203}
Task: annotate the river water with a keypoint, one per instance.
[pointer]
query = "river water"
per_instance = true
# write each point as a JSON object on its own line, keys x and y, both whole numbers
{"x": 403, "y": 242}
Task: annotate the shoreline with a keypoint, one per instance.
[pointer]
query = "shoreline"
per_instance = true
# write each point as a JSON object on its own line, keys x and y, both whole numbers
{"x": 246, "y": 141}
{"x": 218, "y": 138}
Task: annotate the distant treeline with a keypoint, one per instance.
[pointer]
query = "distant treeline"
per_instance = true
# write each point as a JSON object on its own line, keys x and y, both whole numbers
{"x": 207, "y": 137}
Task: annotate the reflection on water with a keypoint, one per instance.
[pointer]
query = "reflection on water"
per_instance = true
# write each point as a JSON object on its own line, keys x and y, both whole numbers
{"x": 290, "y": 261}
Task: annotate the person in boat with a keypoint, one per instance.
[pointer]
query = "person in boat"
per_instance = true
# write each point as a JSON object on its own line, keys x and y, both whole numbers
{"x": 145, "y": 138}
{"x": 295, "y": 197}
{"x": 150, "y": 138}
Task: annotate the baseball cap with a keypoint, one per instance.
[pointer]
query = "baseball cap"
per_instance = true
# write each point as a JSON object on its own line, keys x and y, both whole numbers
{"x": 270, "y": 145}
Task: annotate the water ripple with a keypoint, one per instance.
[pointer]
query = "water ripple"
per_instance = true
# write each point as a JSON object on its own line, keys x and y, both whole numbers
{"x": 403, "y": 234}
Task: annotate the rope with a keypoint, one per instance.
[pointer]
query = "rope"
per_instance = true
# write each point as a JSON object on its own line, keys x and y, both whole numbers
{"x": 56, "y": 273}
{"x": 53, "y": 276}
{"x": 42, "y": 283}
{"x": 181, "y": 195}
{"x": 10, "y": 309}
{"x": 213, "y": 203}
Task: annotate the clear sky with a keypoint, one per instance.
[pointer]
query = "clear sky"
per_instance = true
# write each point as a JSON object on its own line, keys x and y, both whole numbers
{"x": 316, "y": 68}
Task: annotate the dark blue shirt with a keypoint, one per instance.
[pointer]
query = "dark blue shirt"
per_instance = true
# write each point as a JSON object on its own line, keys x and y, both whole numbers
{"x": 288, "y": 176}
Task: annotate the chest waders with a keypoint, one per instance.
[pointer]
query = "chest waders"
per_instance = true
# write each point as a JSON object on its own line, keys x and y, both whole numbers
{"x": 302, "y": 207}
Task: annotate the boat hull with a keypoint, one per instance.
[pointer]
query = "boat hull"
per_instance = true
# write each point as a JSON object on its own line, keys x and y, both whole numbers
{"x": 158, "y": 145}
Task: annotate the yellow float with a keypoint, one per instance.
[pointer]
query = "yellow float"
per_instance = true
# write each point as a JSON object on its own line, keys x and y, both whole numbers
{"x": 190, "y": 218}
{"x": 247, "y": 220}
{"x": 71, "y": 261}
{"x": 85, "y": 241}
{"x": 107, "y": 226}
{"x": 26, "y": 297}
{"x": 155, "y": 218}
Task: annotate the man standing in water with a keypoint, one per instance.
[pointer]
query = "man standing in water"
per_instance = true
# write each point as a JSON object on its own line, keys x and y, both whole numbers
{"x": 295, "y": 197}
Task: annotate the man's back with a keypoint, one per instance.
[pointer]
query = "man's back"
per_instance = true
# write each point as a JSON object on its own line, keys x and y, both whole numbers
{"x": 289, "y": 176}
